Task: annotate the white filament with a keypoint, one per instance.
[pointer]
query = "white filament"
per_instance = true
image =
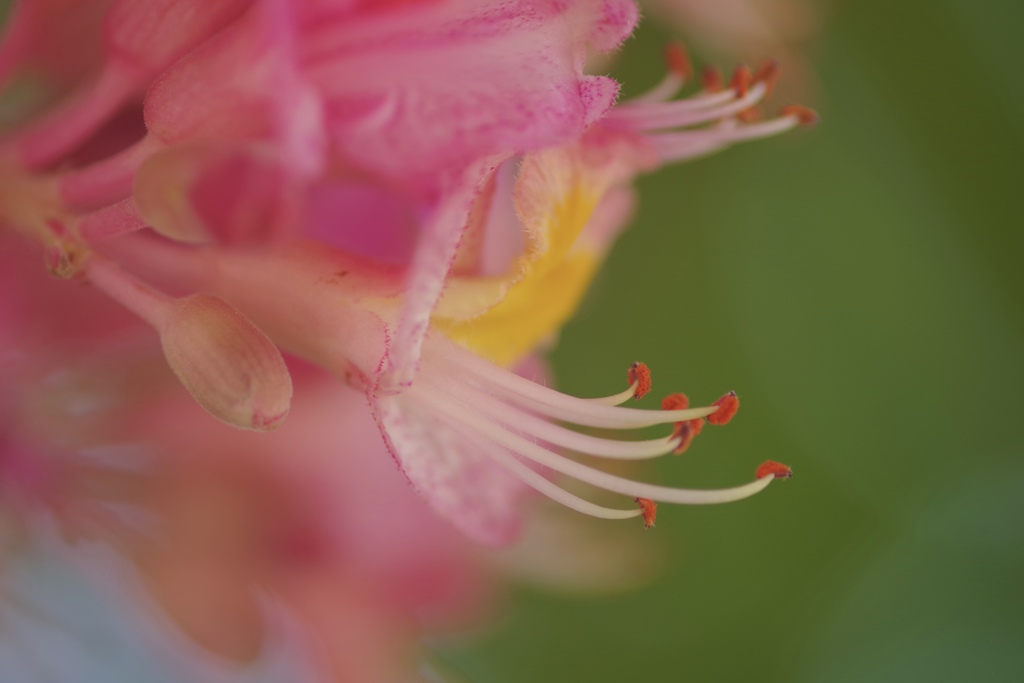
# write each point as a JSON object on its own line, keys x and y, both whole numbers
{"x": 541, "y": 484}
{"x": 463, "y": 413}
{"x": 667, "y": 115}
{"x": 554, "y": 404}
{"x": 585, "y": 444}
{"x": 674, "y": 146}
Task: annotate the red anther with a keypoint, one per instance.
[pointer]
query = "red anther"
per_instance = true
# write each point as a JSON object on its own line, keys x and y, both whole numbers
{"x": 771, "y": 467}
{"x": 676, "y": 401}
{"x": 805, "y": 115}
{"x": 741, "y": 80}
{"x": 678, "y": 60}
{"x": 686, "y": 432}
{"x": 641, "y": 374}
{"x": 768, "y": 73}
{"x": 751, "y": 115}
{"x": 650, "y": 510}
{"x": 727, "y": 407}
{"x": 711, "y": 77}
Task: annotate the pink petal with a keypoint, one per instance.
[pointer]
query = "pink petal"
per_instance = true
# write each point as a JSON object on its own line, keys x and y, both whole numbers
{"x": 452, "y": 473}
{"x": 140, "y": 40}
{"x": 152, "y": 35}
{"x": 438, "y": 85}
{"x": 363, "y": 218}
{"x": 243, "y": 84}
{"x": 432, "y": 261}
{"x": 224, "y": 193}
{"x": 56, "y": 37}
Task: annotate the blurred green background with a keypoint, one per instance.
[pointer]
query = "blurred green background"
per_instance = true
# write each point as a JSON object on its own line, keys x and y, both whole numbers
{"x": 861, "y": 286}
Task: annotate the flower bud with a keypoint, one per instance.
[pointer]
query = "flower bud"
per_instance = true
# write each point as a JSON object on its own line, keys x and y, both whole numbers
{"x": 228, "y": 365}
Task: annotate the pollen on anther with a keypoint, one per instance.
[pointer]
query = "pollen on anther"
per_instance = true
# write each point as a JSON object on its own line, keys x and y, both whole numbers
{"x": 768, "y": 73}
{"x": 741, "y": 80}
{"x": 677, "y": 401}
{"x": 684, "y": 431}
{"x": 649, "y": 509}
{"x": 804, "y": 115}
{"x": 727, "y": 407}
{"x": 751, "y": 115}
{"x": 639, "y": 374}
{"x": 678, "y": 60}
{"x": 776, "y": 468}
{"x": 711, "y": 77}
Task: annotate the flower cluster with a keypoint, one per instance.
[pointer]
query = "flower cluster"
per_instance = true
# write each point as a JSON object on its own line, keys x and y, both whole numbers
{"x": 349, "y": 224}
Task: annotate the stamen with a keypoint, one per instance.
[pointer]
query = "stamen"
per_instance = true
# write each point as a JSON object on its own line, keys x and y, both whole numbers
{"x": 679, "y": 71}
{"x": 768, "y": 73}
{"x": 688, "y": 144}
{"x": 772, "y": 469}
{"x": 804, "y": 115}
{"x": 711, "y": 77}
{"x": 667, "y": 115}
{"x": 741, "y": 80}
{"x": 640, "y": 375}
{"x": 463, "y": 413}
{"x": 649, "y": 509}
{"x": 509, "y": 415}
{"x": 752, "y": 115}
{"x": 678, "y": 60}
{"x": 727, "y": 407}
{"x": 541, "y": 484}
{"x": 724, "y": 108}
{"x": 635, "y": 111}
{"x": 554, "y": 404}
{"x": 686, "y": 431}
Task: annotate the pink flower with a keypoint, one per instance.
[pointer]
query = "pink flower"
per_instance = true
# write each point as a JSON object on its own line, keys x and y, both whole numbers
{"x": 412, "y": 198}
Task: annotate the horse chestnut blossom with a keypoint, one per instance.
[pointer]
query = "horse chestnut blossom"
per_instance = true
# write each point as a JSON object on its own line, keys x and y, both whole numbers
{"x": 343, "y": 227}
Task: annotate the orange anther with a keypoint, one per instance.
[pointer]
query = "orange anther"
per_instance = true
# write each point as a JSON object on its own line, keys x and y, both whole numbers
{"x": 678, "y": 60}
{"x": 686, "y": 431}
{"x": 711, "y": 77}
{"x": 741, "y": 80}
{"x": 768, "y": 73}
{"x": 649, "y": 509}
{"x": 805, "y": 115}
{"x": 727, "y": 407}
{"x": 640, "y": 374}
{"x": 676, "y": 401}
{"x": 751, "y": 115}
{"x": 771, "y": 467}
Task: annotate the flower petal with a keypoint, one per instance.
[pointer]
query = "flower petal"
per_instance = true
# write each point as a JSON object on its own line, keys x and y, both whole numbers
{"x": 451, "y": 472}
{"x": 432, "y": 261}
{"x": 225, "y": 193}
{"x": 243, "y": 84}
{"x": 436, "y": 86}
